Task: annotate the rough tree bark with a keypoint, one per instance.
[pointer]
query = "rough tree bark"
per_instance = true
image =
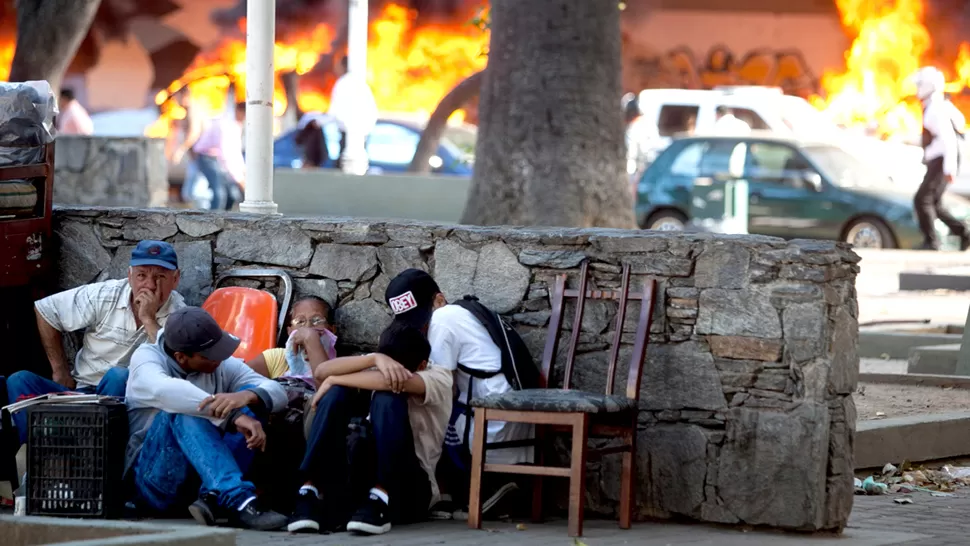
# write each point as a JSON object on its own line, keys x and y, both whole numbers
{"x": 550, "y": 147}
{"x": 431, "y": 136}
{"x": 48, "y": 35}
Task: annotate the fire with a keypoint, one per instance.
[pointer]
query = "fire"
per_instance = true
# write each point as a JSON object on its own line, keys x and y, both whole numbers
{"x": 891, "y": 44}
{"x": 409, "y": 68}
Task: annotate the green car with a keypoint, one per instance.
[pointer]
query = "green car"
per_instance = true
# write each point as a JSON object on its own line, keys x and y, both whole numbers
{"x": 797, "y": 189}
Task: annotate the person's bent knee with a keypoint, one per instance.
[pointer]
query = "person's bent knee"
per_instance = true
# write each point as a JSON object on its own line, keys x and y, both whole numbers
{"x": 183, "y": 420}
{"x": 385, "y": 400}
{"x": 114, "y": 382}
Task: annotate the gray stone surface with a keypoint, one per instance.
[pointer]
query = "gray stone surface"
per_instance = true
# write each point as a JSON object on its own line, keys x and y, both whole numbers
{"x": 343, "y": 262}
{"x": 110, "y": 171}
{"x": 772, "y": 468}
{"x": 361, "y": 322}
{"x": 738, "y": 313}
{"x": 288, "y": 247}
{"x": 81, "y": 255}
{"x": 745, "y": 373}
{"x": 321, "y": 288}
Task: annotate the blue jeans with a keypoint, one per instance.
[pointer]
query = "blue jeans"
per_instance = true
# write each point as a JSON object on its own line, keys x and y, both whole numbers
{"x": 397, "y": 471}
{"x": 23, "y": 385}
{"x": 176, "y": 449}
{"x": 225, "y": 190}
{"x": 192, "y": 178}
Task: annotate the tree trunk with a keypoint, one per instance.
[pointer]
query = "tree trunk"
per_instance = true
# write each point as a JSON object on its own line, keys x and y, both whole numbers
{"x": 438, "y": 122}
{"x": 48, "y": 35}
{"x": 551, "y": 146}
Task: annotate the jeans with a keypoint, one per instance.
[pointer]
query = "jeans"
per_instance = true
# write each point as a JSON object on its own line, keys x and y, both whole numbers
{"x": 397, "y": 471}
{"x": 928, "y": 203}
{"x": 23, "y": 385}
{"x": 219, "y": 181}
{"x": 189, "y": 186}
{"x": 177, "y": 448}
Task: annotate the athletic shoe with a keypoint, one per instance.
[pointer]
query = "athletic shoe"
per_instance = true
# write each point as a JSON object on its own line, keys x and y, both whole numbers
{"x": 253, "y": 518}
{"x": 443, "y": 509}
{"x": 372, "y": 518}
{"x": 204, "y": 509}
{"x": 306, "y": 515}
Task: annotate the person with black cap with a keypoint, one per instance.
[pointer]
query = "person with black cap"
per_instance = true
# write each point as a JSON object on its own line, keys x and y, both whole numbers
{"x": 117, "y": 316}
{"x": 185, "y": 392}
{"x": 408, "y": 402}
{"x": 460, "y": 343}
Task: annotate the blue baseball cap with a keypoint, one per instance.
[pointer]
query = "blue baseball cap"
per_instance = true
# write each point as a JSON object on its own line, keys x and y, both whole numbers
{"x": 157, "y": 253}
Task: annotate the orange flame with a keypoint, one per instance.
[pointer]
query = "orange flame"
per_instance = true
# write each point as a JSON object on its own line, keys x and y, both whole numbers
{"x": 409, "y": 69}
{"x": 891, "y": 43}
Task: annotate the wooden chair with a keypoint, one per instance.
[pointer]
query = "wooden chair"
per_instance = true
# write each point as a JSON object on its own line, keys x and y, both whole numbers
{"x": 582, "y": 414}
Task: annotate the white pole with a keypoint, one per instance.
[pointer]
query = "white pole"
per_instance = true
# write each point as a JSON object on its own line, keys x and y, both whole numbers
{"x": 260, "y": 38}
{"x": 355, "y": 154}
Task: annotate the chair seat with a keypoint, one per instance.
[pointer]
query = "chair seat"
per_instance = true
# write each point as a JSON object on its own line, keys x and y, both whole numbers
{"x": 556, "y": 401}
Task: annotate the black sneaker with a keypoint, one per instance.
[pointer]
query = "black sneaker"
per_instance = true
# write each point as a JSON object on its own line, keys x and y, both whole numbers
{"x": 204, "y": 509}
{"x": 372, "y": 518}
{"x": 253, "y": 518}
{"x": 306, "y": 514}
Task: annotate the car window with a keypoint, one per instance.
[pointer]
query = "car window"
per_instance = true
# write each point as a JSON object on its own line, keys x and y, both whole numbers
{"x": 676, "y": 119}
{"x": 389, "y": 143}
{"x": 751, "y": 118}
{"x": 688, "y": 162}
{"x": 717, "y": 158}
{"x": 775, "y": 163}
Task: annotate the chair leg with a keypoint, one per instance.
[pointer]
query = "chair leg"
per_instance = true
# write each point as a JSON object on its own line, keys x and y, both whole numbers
{"x": 577, "y": 475}
{"x": 478, "y": 465}
{"x": 540, "y": 460}
{"x": 627, "y": 479}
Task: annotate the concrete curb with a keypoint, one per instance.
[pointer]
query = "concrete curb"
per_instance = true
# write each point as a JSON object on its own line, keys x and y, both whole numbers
{"x": 898, "y": 344}
{"x": 915, "y": 438}
{"x": 916, "y": 380}
{"x": 41, "y": 531}
{"x": 921, "y": 282}
{"x": 934, "y": 359}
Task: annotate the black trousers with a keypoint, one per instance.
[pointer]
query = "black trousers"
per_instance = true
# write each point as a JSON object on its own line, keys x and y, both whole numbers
{"x": 928, "y": 203}
{"x": 395, "y": 465}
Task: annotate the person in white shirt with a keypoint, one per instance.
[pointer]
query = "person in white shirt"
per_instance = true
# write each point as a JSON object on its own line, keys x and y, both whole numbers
{"x": 73, "y": 119}
{"x": 641, "y": 135}
{"x": 118, "y": 316}
{"x": 729, "y": 125}
{"x": 460, "y": 343}
{"x": 941, "y": 154}
{"x": 219, "y": 153}
{"x": 352, "y": 104}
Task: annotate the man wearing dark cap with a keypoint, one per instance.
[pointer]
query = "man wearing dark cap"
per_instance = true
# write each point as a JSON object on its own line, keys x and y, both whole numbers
{"x": 118, "y": 315}
{"x": 461, "y": 344}
{"x": 185, "y": 392}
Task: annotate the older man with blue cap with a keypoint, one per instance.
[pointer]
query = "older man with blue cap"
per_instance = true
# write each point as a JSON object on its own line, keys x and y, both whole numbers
{"x": 118, "y": 316}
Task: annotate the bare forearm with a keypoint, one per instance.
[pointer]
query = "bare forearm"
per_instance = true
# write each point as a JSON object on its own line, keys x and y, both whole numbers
{"x": 343, "y": 366}
{"x": 52, "y": 340}
{"x": 315, "y": 353}
{"x": 372, "y": 380}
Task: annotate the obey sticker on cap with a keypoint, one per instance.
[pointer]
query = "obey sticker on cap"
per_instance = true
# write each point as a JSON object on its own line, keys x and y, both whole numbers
{"x": 403, "y": 303}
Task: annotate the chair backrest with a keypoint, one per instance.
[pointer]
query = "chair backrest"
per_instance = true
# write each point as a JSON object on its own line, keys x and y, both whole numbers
{"x": 247, "y": 313}
{"x": 582, "y": 294}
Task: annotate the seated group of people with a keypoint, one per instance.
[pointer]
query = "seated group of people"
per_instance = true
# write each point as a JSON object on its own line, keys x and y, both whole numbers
{"x": 197, "y": 414}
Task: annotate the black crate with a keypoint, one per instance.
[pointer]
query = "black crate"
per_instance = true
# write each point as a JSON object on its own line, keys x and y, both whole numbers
{"x": 76, "y": 458}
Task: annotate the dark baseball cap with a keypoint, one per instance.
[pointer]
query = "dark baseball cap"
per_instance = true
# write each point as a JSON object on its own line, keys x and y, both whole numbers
{"x": 191, "y": 330}
{"x": 157, "y": 253}
{"x": 411, "y": 296}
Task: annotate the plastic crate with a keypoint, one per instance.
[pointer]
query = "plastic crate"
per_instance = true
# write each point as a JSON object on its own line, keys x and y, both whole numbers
{"x": 75, "y": 459}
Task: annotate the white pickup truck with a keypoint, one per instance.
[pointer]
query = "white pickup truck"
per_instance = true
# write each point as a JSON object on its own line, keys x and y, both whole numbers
{"x": 679, "y": 111}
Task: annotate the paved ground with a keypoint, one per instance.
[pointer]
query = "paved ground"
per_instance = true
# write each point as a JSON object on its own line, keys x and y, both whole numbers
{"x": 875, "y": 521}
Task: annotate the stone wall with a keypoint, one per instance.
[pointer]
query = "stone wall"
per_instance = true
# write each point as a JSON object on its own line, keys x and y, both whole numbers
{"x": 745, "y": 407}
{"x": 110, "y": 171}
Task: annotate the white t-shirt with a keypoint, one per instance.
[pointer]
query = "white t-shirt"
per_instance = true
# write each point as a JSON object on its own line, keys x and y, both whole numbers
{"x": 456, "y": 336}
{"x": 730, "y": 125}
{"x": 352, "y": 104}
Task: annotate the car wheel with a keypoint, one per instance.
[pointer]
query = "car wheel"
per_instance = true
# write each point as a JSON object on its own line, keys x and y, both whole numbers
{"x": 869, "y": 233}
{"x": 666, "y": 220}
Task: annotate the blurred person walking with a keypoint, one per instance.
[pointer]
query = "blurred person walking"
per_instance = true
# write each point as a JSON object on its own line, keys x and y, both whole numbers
{"x": 641, "y": 135}
{"x": 352, "y": 104}
{"x": 942, "y": 124}
{"x": 73, "y": 119}
{"x": 220, "y": 159}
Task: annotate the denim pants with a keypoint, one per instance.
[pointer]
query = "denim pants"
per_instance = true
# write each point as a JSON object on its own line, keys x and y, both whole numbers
{"x": 218, "y": 181}
{"x": 190, "y": 184}
{"x": 397, "y": 468}
{"x": 23, "y": 385}
{"x": 177, "y": 448}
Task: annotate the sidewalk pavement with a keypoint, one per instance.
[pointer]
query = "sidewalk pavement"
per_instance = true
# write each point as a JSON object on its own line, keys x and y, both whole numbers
{"x": 875, "y": 521}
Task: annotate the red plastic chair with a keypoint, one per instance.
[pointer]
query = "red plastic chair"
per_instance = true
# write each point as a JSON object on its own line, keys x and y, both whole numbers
{"x": 251, "y": 315}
